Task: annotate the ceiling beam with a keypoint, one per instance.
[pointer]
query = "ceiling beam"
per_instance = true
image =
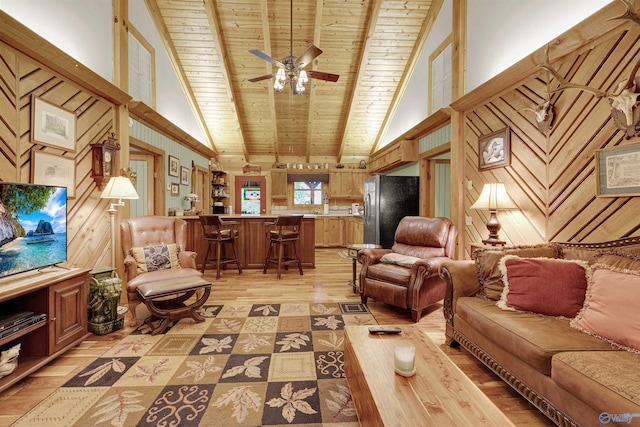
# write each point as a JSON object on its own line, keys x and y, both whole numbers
{"x": 317, "y": 29}
{"x": 154, "y": 11}
{"x": 266, "y": 36}
{"x": 215, "y": 24}
{"x": 374, "y": 14}
{"x": 427, "y": 25}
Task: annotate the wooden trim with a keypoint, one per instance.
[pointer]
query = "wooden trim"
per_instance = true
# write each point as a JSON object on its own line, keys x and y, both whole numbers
{"x": 37, "y": 49}
{"x": 458, "y": 50}
{"x": 159, "y": 165}
{"x": 153, "y": 119}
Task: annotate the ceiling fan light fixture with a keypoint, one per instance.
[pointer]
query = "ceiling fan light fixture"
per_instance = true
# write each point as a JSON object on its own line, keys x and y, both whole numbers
{"x": 278, "y": 85}
{"x": 303, "y": 78}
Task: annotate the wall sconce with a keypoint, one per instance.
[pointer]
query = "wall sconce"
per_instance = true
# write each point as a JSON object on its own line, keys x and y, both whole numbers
{"x": 103, "y": 160}
{"x": 118, "y": 187}
{"x": 494, "y": 197}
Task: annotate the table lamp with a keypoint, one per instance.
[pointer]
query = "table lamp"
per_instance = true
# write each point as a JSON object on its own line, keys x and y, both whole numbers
{"x": 193, "y": 198}
{"x": 118, "y": 187}
{"x": 494, "y": 197}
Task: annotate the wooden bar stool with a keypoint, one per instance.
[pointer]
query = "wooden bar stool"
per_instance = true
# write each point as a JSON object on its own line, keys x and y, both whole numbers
{"x": 218, "y": 232}
{"x": 286, "y": 233}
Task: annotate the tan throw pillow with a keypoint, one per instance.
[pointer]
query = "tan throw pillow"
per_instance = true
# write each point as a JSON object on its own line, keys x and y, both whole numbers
{"x": 156, "y": 257}
{"x": 399, "y": 259}
{"x": 553, "y": 287}
{"x": 618, "y": 259}
{"x": 487, "y": 263}
{"x": 610, "y": 309}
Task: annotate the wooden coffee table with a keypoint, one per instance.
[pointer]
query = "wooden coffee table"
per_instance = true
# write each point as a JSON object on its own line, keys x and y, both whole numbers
{"x": 439, "y": 394}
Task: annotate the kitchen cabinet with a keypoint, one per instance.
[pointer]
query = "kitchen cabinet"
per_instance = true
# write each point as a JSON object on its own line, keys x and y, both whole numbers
{"x": 347, "y": 184}
{"x": 278, "y": 184}
{"x": 355, "y": 229}
{"x": 62, "y": 297}
{"x": 394, "y": 155}
{"x": 332, "y": 231}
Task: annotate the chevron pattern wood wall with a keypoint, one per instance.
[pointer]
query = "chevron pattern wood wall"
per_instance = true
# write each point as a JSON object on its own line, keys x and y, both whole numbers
{"x": 552, "y": 176}
{"x": 88, "y": 230}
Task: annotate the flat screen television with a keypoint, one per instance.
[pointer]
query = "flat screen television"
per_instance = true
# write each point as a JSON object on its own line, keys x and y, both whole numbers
{"x": 33, "y": 227}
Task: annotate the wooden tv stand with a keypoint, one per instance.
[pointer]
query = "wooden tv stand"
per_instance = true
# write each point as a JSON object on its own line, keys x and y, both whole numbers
{"x": 62, "y": 295}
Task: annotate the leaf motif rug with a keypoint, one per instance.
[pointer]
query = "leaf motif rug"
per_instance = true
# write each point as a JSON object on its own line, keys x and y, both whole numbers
{"x": 245, "y": 365}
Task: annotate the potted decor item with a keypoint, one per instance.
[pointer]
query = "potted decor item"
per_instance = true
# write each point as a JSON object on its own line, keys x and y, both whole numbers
{"x": 105, "y": 288}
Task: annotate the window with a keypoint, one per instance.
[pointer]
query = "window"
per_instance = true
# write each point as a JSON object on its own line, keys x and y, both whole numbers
{"x": 440, "y": 76}
{"x": 307, "y": 193}
{"x": 141, "y": 69}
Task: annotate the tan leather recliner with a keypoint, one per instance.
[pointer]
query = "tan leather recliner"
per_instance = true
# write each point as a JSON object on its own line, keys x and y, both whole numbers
{"x": 153, "y": 230}
{"x": 404, "y": 281}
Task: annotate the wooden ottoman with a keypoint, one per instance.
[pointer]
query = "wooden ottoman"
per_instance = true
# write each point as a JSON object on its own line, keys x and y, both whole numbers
{"x": 166, "y": 300}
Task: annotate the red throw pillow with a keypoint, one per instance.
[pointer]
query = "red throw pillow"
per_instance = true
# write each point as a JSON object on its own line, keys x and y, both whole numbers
{"x": 553, "y": 287}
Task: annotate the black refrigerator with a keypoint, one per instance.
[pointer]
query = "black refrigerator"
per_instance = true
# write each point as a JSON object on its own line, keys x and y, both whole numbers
{"x": 388, "y": 199}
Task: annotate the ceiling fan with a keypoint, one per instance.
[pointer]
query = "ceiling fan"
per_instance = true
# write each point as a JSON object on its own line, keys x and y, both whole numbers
{"x": 291, "y": 68}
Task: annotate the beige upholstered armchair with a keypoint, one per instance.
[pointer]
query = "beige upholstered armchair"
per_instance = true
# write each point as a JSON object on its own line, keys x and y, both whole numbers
{"x": 154, "y": 250}
{"x": 407, "y": 275}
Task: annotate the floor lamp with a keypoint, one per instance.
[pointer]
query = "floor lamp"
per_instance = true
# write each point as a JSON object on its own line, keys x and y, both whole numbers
{"x": 118, "y": 187}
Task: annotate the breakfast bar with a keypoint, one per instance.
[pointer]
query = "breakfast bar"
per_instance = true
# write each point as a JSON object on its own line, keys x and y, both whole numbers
{"x": 252, "y": 242}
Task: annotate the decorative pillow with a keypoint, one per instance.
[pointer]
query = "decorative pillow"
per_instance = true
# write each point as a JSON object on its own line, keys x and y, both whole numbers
{"x": 399, "y": 259}
{"x": 610, "y": 309}
{"x": 487, "y": 264}
{"x": 156, "y": 257}
{"x": 553, "y": 287}
{"x": 618, "y": 259}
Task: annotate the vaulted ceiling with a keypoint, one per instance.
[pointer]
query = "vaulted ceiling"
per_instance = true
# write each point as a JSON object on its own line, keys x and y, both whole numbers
{"x": 372, "y": 44}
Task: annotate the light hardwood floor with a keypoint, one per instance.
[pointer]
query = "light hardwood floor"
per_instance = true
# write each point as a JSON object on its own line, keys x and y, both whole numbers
{"x": 328, "y": 282}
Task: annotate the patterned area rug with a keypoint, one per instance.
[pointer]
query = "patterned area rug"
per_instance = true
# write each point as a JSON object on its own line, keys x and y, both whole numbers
{"x": 246, "y": 365}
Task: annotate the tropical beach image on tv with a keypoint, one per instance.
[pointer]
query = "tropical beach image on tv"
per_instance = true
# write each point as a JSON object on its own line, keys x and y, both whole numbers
{"x": 33, "y": 227}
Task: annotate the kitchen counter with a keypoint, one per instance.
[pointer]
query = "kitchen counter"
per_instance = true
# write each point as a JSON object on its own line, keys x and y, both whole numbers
{"x": 252, "y": 229}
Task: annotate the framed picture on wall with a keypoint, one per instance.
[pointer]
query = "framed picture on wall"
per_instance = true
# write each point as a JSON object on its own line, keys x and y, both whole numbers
{"x": 618, "y": 171}
{"x": 184, "y": 175}
{"x": 50, "y": 169}
{"x": 174, "y": 166}
{"x": 494, "y": 150}
{"x": 175, "y": 189}
{"x": 52, "y": 125}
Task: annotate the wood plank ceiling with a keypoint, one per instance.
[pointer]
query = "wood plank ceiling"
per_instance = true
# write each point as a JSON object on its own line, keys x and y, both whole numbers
{"x": 372, "y": 44}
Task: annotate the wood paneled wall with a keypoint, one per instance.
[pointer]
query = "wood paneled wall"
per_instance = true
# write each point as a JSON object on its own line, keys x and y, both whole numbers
{"x": 88, "y": 231}
{"x": 552, "y": 176}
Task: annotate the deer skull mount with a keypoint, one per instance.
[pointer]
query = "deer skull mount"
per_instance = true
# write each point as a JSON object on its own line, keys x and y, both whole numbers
{"x": 624, "y": 109}
{"x": 544, "y": 115}
{"x": 624, "y": 100}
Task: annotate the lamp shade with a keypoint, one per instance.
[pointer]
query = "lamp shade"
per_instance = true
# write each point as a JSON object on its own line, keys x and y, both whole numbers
{"x": 192, "y": 197}
{"x": 119, "y": 187}
{"x": 494, "y": 197}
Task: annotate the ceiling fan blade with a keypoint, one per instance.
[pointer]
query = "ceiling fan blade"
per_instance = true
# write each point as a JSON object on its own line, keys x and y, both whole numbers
{"x": 265, "y": 77}
{"x": 267, "y": 58}
{"x": 309, "y": 55}
{"x": 319, "y": 75}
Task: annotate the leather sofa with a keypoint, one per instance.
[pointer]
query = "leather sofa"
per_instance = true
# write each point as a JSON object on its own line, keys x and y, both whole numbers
{"x": 143, "y": 231}
{"x": 407, "y": 275}
{"x": 573, "y": 377}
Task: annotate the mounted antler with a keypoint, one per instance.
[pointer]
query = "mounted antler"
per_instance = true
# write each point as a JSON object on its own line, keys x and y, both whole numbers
{"x": 623, "y": 100}
{"x": 544, "y": 115}
{"x": 630, "y": 14}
